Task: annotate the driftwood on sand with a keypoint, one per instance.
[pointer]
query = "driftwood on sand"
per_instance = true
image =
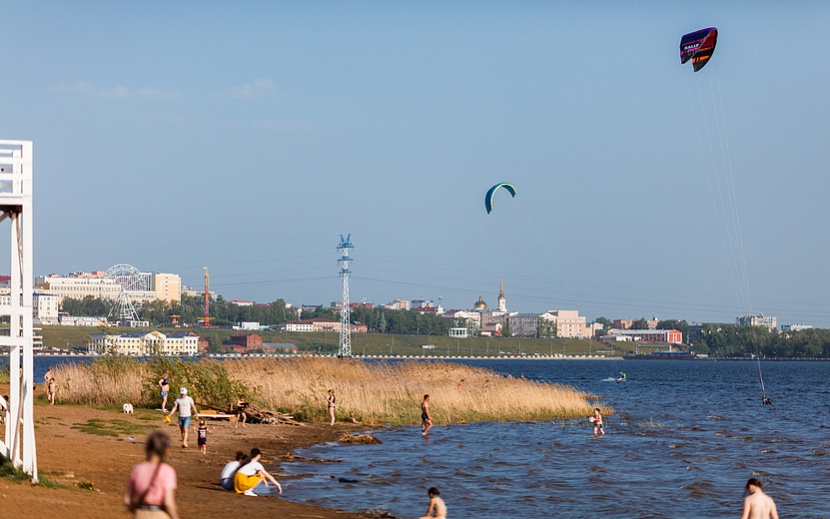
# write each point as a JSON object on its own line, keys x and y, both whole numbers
{"x": 256, "y": 414}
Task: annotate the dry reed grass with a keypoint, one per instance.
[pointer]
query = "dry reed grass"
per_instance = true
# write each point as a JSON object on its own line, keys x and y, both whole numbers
{"x": 103, "y": 383}
{"x": 379, "y": 393}
{"x": 371, "y": 393}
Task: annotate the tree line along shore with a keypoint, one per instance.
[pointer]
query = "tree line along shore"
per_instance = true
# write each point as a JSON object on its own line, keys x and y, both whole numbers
{"x": 367, "y": 393}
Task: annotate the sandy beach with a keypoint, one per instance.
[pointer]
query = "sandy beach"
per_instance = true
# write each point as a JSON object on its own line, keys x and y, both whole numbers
{"x": 67, "y": 455}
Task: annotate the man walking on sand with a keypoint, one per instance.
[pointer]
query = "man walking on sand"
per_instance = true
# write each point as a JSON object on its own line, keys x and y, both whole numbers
{"x": 758, "y": 505}
{"x": 184, "y": 404}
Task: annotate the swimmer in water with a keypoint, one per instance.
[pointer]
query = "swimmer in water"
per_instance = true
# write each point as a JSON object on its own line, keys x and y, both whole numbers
{"x": 437, "y": 508}
{"x": 758, "y": 505}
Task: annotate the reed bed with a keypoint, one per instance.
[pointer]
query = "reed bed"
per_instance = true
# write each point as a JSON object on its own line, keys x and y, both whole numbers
{"x": 381, "y": 393}
{"x": 104, "y": 382}
{"x": 370, "y": 393}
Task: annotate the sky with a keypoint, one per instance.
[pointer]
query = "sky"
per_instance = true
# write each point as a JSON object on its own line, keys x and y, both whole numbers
{"x": 248, "y": 136}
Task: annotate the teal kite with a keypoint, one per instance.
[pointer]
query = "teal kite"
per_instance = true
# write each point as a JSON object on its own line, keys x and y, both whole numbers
{"x": 488, "y": 198}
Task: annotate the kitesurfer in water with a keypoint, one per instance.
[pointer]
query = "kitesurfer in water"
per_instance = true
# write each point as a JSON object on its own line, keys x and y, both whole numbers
{"x": 622, "y": 377}
{"x": 767, "y": 401}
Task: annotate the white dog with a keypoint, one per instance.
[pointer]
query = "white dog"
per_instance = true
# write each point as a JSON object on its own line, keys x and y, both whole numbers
{"x": 128, "y": 408}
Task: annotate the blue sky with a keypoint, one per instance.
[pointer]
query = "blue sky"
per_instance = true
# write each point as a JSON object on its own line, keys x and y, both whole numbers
{"x": 248, "y": 136}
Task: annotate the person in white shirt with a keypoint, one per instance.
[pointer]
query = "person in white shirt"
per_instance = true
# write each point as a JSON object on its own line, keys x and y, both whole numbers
{"x": 251, "y": 473}
{"x": 228, "y": 472}
{"x": 187, "y": 409}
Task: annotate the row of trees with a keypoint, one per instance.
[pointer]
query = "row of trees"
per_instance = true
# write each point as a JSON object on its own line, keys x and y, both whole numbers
{"x": 223, "y": 313}
{"x": 729, "y": 340}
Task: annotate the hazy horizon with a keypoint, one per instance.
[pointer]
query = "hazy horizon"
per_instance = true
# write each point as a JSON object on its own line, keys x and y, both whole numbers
{"x": 247, "y": 138}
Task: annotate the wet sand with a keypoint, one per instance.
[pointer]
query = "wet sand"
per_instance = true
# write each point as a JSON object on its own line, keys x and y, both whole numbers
{"x": 68, "y": 456}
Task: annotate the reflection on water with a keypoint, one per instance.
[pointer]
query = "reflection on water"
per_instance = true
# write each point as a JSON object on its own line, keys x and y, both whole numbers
{"x": 685, "y": 438}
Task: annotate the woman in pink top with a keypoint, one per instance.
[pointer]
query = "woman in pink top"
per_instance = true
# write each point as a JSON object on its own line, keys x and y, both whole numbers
{"x": 151, "y": 493}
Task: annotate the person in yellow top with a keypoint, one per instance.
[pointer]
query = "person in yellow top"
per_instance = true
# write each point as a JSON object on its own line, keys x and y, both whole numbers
{"x": 251, "y": 473}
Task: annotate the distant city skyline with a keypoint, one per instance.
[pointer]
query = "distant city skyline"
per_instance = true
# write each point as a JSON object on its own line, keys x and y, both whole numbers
{"x": 174, "y": 136}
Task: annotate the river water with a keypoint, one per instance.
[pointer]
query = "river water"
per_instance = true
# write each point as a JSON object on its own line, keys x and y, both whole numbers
{"x": 685, "y": 438}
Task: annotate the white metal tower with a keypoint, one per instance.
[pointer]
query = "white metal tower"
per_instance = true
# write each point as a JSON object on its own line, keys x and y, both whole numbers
{"x": 344, "y": 249}
{"x": 16, "y": 206}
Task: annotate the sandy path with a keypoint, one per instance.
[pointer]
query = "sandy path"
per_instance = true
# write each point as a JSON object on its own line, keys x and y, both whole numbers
{"x": 74, "y": 456}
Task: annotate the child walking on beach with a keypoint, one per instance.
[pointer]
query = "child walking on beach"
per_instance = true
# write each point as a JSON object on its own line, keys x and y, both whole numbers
{"x": 201, "y": 435}
{"x": 437, "y": 508}
{"x": 597, "y": 421}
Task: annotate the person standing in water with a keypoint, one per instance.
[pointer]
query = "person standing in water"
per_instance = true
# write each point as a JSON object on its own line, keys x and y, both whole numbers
{"x": 426, "y": 418}
{"x": 597, "y": 421}
{"x": 758, "y": 505}
{"x": 437, "y": 508}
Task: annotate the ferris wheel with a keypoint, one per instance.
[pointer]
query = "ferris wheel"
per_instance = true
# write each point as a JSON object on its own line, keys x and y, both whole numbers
{"x": 131, "y": 280}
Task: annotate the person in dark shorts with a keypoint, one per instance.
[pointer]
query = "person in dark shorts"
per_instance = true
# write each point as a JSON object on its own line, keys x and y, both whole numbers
{"x": 426, "y": 418}
{"x": 241, "y": 404}
{"x": 201, "y": 435}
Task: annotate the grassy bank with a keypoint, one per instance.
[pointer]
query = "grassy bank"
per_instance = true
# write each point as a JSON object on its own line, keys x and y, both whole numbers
{"x": 372, "y": 393}
{"x": 372, "y": 343}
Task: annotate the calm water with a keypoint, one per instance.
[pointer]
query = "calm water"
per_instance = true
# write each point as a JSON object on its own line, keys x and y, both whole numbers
{"x": 685, "y": 438}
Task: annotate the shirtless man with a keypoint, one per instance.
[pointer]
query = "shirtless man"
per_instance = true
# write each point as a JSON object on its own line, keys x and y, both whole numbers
{"x": 758, "y": 505}
{"x": 426, "y": 418}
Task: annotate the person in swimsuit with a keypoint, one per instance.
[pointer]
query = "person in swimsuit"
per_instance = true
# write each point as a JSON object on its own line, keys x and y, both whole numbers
{"x": 51, "y": 389}
{"x": 241, "y": 404}
{"x": 758, "y": 505}
{"x": 48, "y": 376}
{"x": 597, "y": 421}
{"x": 164, "y": 384}
{"x": 331, "y": 399}
{"x": 426, "y": 419}
{"x": 437, "y": 507}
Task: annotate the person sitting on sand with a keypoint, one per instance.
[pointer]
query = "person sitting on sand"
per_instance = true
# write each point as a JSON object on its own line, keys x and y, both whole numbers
{"x": 151, "y": 492}
{"x": 186, "y": 407}
{"x": 758, "y": 505}
{"x": 332, "y": 400}
{"x": 251, "y": 473}
{"x": 241, "y": 404}
{"x": 437, "y": 507}
{"x": 51, "y": 389}
{"x": 164, "y": 386}
{"x": 597, "y": 421}
{"x": 426, "y": 419}
{"x": 229, "y": 470}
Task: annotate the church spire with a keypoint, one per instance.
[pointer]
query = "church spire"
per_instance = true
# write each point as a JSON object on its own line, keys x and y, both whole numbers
{"x": 502, "y": 301}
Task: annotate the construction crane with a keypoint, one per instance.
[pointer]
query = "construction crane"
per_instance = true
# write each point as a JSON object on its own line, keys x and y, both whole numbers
{"x": 205, "y": 320}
